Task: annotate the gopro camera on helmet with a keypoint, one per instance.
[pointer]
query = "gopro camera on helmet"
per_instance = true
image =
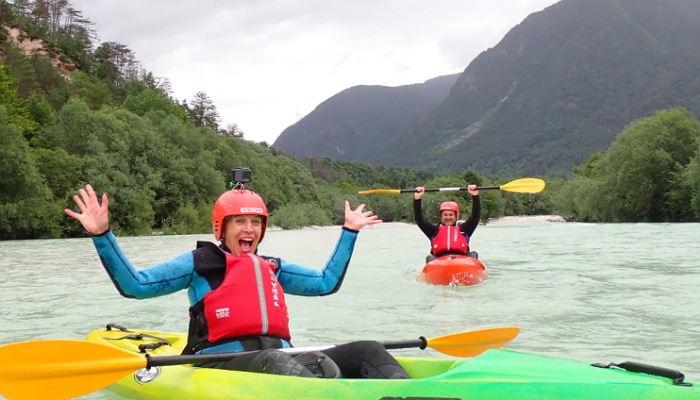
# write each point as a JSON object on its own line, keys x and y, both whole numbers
{"x": 241, "y": 175}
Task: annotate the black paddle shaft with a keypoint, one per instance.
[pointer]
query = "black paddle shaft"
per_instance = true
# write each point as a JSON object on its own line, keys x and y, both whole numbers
{"x": 161, "y": 361}
{"x": 421, "y": 343}
{"x": 451, "y": 189}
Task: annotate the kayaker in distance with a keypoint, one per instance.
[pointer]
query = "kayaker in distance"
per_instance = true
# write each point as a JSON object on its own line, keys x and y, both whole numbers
{"x": 443, "y": 239}
{"x": 237, "y": 297}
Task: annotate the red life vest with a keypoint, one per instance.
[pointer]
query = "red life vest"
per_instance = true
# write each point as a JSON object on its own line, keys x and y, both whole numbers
{"x": 450, "y": 239}
{"x": 249, "y": 302}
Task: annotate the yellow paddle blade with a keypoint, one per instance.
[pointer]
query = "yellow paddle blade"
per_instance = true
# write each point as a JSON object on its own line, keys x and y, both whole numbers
{"x": 384, "y": 191}
{"x": 473, "y": 343}
{"x": 524, "y": 185}
{"x": 61, "y": 369}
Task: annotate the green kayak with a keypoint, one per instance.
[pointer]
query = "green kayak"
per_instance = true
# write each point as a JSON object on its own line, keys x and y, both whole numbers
{"x": 494, "y": 374}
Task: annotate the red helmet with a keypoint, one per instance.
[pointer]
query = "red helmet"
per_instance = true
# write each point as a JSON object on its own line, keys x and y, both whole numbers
{"x": 449, "y": 206}
{"x": 237, "y": 202}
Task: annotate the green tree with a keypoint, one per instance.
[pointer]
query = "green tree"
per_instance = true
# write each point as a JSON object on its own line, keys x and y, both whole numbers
{"x": 646, "y": 158}
{"x": 51, "y": 84}
{"x": 202, "y": 112}
{"x": 15, "y": 108}
{"x": 115, "y": 63}
{"x": 41, "y": 112}
{"x": 91, "y": 90}
{"x": 295, "y": 216}
{"x": 149, "y": 100}
{"x": 62, "y": 171}
{"x": 693, "y": 182}
{"x": 643, "y": 175}
{"x": 189, "y": 218}
{"x": 20, "y": 67}
{"x": 27, "y": 209}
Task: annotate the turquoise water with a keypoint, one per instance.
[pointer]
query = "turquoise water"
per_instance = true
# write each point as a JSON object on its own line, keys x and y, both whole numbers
{"x": 590, "y": 292}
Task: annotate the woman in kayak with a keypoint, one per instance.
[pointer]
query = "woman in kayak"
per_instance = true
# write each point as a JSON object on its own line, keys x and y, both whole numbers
{"x": 237, "y": 297}
{"x": 446, "y": 237}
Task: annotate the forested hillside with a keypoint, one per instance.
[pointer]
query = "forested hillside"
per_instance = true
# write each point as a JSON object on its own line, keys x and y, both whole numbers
{"x": 651, "y": 173}
{"x": 72, "y": 112}
{"x": 75, "y": 112}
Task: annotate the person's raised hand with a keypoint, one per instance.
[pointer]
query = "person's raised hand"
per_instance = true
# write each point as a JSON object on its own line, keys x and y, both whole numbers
{"x": 418, "y": 194}
{"x": 357, "y": 219}
{"x": 93, "y": 216}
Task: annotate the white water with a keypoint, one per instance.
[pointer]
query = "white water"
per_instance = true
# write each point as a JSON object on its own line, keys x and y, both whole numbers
{"x": 590, "y": 292}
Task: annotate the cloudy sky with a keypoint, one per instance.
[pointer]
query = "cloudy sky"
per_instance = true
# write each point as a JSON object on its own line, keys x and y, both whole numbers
{"x": 268, "y": 63}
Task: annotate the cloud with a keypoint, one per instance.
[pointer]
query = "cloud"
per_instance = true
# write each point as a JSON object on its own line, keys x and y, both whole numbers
{"x": 268, "y": 63}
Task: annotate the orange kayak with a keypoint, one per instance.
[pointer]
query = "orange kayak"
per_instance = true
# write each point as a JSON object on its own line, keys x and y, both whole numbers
{"x": 453, "y": 270}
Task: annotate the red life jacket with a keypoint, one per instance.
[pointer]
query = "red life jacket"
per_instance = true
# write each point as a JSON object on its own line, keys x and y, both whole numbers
{"x": 249, "y": 302}
{"x": 449, "y": 239}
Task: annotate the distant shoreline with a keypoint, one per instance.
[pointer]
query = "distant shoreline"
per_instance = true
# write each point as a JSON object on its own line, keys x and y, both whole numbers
{"x": 527, "y": 218}
{"x": 499, "y": 220}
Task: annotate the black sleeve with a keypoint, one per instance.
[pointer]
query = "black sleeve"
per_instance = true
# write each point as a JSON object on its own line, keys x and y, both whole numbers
{"x": 428, "y": 229}
{"x": 469, "y": 226}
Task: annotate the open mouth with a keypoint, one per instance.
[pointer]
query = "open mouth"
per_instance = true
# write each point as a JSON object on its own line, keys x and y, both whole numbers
{"x": 245, "y": 244}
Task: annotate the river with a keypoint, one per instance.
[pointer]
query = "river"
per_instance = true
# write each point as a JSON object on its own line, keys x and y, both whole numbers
{"x": 589, "y": 292}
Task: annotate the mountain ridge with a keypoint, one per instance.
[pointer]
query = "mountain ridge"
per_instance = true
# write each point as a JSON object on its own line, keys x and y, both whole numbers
{"x": 557, "y": 88}
{"x": 359, "y": 110}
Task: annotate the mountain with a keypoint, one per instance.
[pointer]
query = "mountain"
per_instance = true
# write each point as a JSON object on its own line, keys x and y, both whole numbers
{"x": 558, "y": 87}
{"x": 360, "y": 123}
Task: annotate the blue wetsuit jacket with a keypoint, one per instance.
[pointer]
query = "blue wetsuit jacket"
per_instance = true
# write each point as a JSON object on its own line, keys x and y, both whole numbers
{"x": 178, "y": 274}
